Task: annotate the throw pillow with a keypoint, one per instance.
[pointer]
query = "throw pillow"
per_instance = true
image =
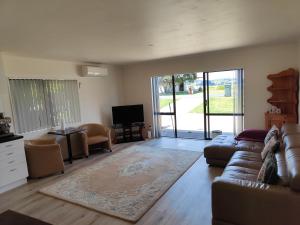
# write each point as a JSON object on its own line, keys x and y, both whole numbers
{"x": 272, "y": 145}
{"x": 274, "y": 131}
{"x": 268, "y": 171}
{"x": 252, "y": 135}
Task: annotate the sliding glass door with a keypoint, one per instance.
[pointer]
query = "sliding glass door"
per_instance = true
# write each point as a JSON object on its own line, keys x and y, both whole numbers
{"x": 189, "y": 105}
{"x": 195, "y": 105}
{"x": 223, "y": 99}
{"x": 164, "y": 106}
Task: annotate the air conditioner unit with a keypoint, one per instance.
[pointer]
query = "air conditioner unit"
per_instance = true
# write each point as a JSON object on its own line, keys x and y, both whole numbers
{"x": 94, "y": 71}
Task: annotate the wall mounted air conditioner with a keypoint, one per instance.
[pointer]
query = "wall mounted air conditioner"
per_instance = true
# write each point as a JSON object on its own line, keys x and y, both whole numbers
{"x": 94, "y": 71}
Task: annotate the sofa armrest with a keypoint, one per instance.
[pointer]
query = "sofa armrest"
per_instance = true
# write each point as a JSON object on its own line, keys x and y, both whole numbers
{"x": 43, "y": 149}
{"x": 251, "y": 203}
{"x": 252, "y": 135}
{"x": 107, "y": 132}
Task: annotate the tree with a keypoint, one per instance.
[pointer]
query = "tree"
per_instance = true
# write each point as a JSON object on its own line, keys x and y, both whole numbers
{"x": 180, "y": 79}
{"x": 166, "y": 82}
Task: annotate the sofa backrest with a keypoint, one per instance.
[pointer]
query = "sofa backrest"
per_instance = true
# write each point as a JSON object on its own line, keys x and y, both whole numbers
{"x": 292, "y": 156}
{"x": 282, "y": 170}
{"x": 291, "y": 142}
{"x": 93, "y": 129}
{"x": 290, "y": 128}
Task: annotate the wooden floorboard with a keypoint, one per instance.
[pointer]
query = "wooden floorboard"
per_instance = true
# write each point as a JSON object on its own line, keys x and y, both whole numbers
{"x": 187, "y": 202}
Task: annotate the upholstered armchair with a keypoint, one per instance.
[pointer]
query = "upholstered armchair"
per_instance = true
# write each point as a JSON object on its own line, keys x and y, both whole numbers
{"x": 95, "y": 134}
{"x": 43, "y": 157}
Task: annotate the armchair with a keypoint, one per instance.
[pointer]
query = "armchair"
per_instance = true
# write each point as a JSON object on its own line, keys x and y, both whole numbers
{"x": 94, "y": 134}
{"x": 43, "y": 157}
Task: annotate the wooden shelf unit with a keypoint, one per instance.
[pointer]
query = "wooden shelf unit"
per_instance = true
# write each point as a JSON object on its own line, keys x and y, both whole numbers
{"x": 128, "y": 133}
{"x": 284, "y": 91}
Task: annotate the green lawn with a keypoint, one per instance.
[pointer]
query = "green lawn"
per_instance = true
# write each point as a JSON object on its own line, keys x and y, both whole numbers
{"x": 217, "y": 105}
{"x": 165, "y": 101}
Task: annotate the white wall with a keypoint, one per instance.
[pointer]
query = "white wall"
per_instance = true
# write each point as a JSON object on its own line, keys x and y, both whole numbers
{"x": 257, "y": 63}
{"x": 4, "y": 95}
{"x": 97, "y": 95}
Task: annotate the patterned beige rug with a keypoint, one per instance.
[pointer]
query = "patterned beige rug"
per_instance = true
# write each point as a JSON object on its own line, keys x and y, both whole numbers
{"x": 127, "y": 183}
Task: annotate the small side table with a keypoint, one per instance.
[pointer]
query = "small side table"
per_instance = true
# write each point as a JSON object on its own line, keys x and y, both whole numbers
{"x": 67, "y": 133}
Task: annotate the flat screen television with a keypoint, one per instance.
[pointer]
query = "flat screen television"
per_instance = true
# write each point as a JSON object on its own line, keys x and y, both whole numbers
{"x": 128, "y": 114}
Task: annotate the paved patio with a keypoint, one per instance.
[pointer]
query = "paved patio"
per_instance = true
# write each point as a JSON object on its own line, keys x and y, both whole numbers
{"x": 191, "y": 125}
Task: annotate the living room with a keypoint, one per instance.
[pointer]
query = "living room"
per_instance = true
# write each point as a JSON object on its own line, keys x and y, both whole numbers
{"x": 135, "y": 42}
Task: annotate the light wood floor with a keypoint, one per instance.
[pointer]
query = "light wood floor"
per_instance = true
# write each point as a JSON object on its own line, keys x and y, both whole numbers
{"x": 187, "y": 202}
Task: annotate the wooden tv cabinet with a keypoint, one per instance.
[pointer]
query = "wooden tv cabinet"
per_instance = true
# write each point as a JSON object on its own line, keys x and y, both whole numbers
{"x": 128, "y": 132}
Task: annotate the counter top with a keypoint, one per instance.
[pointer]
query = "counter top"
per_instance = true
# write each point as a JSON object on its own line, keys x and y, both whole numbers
{"x": 10, "y": 138}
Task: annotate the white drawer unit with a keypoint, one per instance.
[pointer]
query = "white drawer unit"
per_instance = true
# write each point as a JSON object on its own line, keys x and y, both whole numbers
{"x": 13, "y": 167}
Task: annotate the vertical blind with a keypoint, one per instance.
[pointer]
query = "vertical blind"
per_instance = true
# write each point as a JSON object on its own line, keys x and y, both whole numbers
{"x": 156, "y": 106}
{"x": 238, "y": 111}
{"x": 39, "y": 104}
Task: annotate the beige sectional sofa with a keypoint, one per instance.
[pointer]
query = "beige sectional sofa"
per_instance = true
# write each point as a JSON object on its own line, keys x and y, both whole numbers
{"x": 239, "y": 199}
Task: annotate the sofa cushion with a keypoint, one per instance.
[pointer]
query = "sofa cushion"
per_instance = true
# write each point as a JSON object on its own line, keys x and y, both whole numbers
{"x": 252, "y": 135}
{"x": 240, "y": 173}
{"x": 97, "y": 139}
{"x": 221, "y": 148}
{"x": 252, "y": 146}
{"x": 246, "y": 159}
{"x": 274, "y": 131}
{"x": 268, "y": 171}
{"x": 216, "y": 162}
{"x": 271, "y": 146}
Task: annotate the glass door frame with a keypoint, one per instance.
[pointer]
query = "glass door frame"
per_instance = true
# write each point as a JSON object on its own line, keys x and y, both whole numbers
{"x": 207, "y": 113}
{"x": 174, "y": 107}
{"x": 206, "y": 110}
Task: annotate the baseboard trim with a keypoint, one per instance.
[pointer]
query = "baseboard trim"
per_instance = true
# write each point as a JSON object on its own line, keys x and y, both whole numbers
{"x": 13, "y": 185}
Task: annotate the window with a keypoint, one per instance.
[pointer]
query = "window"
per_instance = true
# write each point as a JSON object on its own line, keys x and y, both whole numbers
{"x": 39, "y": 104}
{"x": 196, "y": 105}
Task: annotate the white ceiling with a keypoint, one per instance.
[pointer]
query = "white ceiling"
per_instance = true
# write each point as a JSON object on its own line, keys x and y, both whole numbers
{"x": 125, "y": 31}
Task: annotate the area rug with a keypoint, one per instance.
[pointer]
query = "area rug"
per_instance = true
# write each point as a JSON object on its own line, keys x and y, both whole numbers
{"x": 127, "y": 183}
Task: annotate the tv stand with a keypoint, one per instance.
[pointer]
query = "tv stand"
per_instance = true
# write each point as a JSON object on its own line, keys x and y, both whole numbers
{"x": 128, "y": 132}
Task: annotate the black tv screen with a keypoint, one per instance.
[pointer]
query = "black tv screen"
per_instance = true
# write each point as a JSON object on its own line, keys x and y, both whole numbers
{"x": 128, "y": 114}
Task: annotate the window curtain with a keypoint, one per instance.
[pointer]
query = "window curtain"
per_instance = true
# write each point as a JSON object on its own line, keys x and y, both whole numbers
{"x": 63, "y": 101}
{"x": 38, "y": 104}
{"x": 29, "y": 107}
{"x": 156, "y": 107}
{"x": 238, "y": 118}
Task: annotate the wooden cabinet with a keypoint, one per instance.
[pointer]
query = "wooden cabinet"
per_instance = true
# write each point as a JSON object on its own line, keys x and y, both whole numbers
{"x": 13, "y": 166}
{"x": 284, "y": 91}
{"x": 278, "y": 120}
{"x": 128, "y": 133}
